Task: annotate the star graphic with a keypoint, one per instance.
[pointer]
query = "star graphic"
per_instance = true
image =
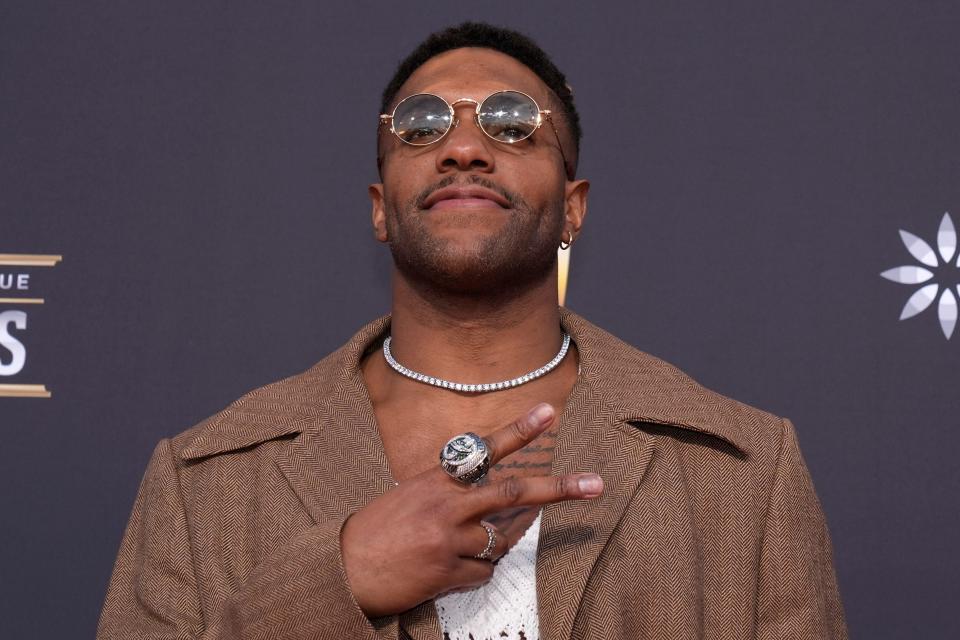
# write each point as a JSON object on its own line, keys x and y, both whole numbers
{"x": 923, "y": 297}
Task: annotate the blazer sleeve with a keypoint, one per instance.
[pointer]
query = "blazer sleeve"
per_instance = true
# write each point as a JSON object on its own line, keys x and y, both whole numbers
{"x": 299, "y": 591}
{"x": 798, "y": 595}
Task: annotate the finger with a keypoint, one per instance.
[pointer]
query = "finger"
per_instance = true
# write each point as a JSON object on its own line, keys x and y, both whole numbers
{"x": 519, "y": 433}
{"x": 472, "y": 573}
{"x": 525, "y": 492}
{"x": 473, "y": 540}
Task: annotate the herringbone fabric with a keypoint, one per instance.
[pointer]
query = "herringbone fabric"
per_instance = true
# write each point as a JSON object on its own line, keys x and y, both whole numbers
{"x": 709, "y": 526}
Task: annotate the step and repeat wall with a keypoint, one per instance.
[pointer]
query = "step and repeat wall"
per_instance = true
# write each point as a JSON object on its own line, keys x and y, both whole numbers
{"x": 184, "y": 217}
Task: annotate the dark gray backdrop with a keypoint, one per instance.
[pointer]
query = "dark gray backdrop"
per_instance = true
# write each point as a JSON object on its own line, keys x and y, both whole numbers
{"x": 202, "y": 168}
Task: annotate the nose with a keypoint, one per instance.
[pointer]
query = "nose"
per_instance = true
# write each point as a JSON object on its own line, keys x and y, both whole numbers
{"x": 465, "y": 147}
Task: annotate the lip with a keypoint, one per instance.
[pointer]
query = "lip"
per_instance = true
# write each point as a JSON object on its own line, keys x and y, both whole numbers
{"x": 471, "y": 196}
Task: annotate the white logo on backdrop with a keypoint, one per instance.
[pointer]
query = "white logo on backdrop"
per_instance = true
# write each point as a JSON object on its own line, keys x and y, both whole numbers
{"x": 16, "y": 289}
{"x": 945, "y": 276}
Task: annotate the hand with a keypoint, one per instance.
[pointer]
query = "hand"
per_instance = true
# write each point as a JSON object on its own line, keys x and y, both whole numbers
{"x": 419, "y": 540}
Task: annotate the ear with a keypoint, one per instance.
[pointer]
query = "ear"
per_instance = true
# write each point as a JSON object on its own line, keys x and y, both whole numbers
{"x": 576, "y": 205}
{"x": 378, "y": 214}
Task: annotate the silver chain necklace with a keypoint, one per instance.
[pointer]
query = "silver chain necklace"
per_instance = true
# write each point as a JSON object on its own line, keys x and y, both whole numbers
{"x": 475, "y": 388}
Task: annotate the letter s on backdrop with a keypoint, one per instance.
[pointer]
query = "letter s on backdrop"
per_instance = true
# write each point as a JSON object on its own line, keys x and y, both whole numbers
{"x": 11, "y": 344}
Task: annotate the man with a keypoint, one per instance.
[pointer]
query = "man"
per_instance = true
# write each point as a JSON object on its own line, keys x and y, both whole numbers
{"x": 315, "y": 507}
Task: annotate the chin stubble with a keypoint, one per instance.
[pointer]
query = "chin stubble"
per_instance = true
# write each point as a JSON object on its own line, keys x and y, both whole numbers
{"x": 522, "y": 254}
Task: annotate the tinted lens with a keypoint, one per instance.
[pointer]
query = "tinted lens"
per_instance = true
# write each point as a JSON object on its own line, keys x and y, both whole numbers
{"x": 421, "y": 119}
{"x": 509, "y": 116}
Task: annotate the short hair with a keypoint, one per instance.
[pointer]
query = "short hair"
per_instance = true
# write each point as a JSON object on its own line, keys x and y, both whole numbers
{"x": 506, "y": 41}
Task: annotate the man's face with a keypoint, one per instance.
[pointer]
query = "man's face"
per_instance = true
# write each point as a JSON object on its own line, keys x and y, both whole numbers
{"x": 468, "y": 214}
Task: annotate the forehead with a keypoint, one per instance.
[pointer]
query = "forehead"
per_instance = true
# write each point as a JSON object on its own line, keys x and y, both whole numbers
{"x": 473, "y": 72}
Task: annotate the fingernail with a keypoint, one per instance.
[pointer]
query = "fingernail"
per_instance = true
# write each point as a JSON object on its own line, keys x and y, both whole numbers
{"x": 591, "y": 485}
{"x": 540, "y": 414}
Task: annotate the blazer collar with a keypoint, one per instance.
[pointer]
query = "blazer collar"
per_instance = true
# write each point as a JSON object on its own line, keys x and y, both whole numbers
{"x": 290, "y": 406}
{"x": 642, "y": 388}
{"x": 618, "y": 387}
{"x": 638, "y": 387}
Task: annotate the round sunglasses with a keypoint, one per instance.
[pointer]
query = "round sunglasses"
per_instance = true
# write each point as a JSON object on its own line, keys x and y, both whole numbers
{"x": 504, "y": 116}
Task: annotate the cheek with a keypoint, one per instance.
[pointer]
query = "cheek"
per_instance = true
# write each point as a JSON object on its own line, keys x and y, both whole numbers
{"x": 400, "y": 159}
{"x": 396, "y": 195}
{"x": 534, "y": 175}
{"x": 548, "y": 197}
{"x": 403, "y": 180}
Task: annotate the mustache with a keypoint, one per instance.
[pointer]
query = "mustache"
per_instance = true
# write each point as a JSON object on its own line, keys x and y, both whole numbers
{"x": 514, "y": 199}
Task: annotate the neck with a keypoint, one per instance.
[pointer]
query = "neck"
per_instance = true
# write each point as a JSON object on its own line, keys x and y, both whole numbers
{"x": 471, "y": 337}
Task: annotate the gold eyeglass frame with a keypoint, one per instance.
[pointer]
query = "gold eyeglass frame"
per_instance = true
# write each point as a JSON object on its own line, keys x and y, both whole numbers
{"x": 542, "y": 115}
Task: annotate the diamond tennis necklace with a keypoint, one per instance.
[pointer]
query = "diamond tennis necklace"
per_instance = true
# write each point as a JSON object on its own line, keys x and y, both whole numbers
{"x": 475, "y": 388}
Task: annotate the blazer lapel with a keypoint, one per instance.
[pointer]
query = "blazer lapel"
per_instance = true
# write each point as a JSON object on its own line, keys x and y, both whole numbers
{"x": 618, "y": 385}
{"x": 339, "y": 467}
{"x": 575, "y": 532}
{"x": 333, "y": 477}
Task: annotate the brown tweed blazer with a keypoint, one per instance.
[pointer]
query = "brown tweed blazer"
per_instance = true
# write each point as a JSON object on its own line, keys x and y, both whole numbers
{"x": 709, "y": 526}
